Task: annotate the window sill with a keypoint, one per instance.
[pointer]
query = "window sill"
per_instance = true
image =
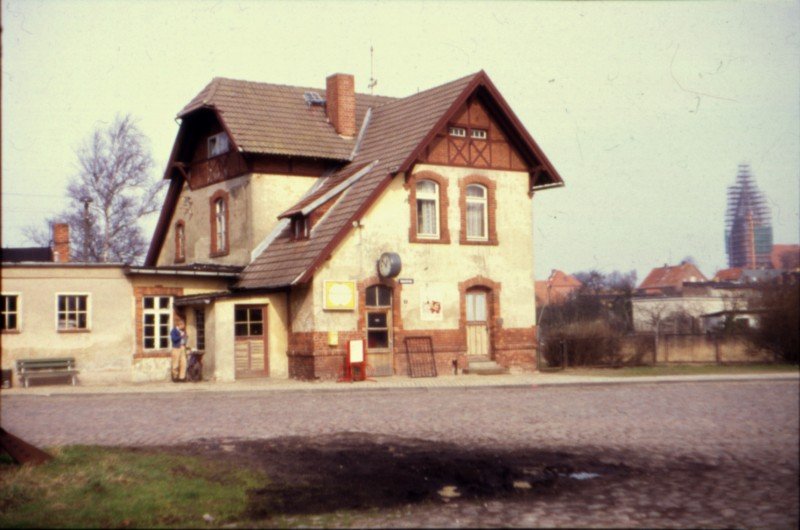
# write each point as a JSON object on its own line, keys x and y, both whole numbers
{"x": 432, "y": 241}
{"x": 11, "y": 331}
{"x": 479, "y": 242}
{"x": 73, "y": 330}
{"x": 218, "y": 254}
{"x": 153, "y": 354}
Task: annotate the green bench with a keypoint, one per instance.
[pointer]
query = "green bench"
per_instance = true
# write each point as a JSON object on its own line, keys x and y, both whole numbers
{"x": 46, "y": 369}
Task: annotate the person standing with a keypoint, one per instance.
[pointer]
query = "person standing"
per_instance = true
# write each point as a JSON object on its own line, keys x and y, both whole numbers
{"x": 178, "y": 338}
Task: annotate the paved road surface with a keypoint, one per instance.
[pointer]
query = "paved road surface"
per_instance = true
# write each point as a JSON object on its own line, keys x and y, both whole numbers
{"x": 703, "y": 454}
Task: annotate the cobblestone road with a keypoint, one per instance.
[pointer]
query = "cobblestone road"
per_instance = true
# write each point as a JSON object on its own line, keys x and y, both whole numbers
{"x": 744, "y": 435}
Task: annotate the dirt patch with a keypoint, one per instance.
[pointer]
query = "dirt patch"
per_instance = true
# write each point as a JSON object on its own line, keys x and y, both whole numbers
{"x": 356, "y": 471}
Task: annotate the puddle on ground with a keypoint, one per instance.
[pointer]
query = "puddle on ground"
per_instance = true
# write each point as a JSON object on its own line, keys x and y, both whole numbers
{"x": 361, "y": 471}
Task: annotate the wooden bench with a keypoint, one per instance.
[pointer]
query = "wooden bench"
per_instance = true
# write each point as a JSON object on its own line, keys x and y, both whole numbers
{"x": 46, "y": 369}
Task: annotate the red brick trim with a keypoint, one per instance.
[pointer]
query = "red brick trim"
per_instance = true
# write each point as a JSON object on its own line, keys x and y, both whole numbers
{"x": 411, "y": 186}
{"x": 215, "y": 250}
{"x": 491, "y": 209}
{"x": 180, "y": 241}
{"x": 138, "y": 294}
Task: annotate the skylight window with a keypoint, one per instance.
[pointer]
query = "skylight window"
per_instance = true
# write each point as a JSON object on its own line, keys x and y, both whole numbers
{"x": 313, "y": 98}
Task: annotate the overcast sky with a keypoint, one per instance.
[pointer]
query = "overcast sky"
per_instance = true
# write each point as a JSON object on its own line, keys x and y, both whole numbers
{"x": 645, "y": 108}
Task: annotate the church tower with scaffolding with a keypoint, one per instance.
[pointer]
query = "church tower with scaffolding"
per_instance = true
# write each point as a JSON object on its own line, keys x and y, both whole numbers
{"x": 748, "y": 226}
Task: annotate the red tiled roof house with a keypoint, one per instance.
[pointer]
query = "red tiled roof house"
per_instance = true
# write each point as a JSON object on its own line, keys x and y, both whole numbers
{"x": 308, "y": 190}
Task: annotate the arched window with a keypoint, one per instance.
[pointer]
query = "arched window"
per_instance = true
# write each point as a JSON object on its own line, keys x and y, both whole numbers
{"x": 180, "y": 242}
{"x": 220, "y": 235}
{"x": 477, "y": 218}
{"x": 427, "y": 194}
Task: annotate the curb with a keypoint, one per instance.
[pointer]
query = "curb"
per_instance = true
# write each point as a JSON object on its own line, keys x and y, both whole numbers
{"x": 532, "y": 381}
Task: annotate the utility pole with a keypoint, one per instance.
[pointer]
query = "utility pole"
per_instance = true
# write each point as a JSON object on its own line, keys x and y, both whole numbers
{"x": 86, "y": 200}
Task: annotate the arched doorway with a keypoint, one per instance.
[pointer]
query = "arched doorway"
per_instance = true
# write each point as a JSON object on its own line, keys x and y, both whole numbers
{"x": 477, "y": 324}
{"x": 378, "y": 318}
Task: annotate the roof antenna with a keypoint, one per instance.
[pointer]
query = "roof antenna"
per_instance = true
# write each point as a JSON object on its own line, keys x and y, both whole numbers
{"x": 372, "y": 80}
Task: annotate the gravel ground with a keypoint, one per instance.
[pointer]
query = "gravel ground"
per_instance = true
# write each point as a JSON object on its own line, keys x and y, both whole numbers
{"x": 721, "y": 454}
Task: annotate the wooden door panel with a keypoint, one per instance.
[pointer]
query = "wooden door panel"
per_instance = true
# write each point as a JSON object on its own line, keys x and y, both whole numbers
{"x": 477, "y": 339}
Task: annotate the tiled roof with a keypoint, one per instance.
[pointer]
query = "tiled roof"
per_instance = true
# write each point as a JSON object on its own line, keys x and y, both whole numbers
{"x": 728, "y": 275}
{"x": 266, "y": 118}
{"x": 785, "y": 256}
{"x": 25, "y": 254}
{"x": 395, "y": 130}
{"x": 670, "y": 278}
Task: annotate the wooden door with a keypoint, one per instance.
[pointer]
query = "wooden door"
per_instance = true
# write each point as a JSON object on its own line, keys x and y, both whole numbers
{"x": 478, "y": 343}
{"x": 251, "y": 355}
{"x": 379, "y": 330}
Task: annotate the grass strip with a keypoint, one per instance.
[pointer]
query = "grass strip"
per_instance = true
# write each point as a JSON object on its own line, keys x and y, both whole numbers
{"x": 94, "y": 487}
{"x": 684, "y": 369}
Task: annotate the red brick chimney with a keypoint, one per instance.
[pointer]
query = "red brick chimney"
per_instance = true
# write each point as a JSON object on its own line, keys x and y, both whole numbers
{"x": 61, "y": 242}
{"x": 340, "y": 103}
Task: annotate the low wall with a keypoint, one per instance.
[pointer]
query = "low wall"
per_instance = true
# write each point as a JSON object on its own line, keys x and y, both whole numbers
{"x": 692, "y": 348}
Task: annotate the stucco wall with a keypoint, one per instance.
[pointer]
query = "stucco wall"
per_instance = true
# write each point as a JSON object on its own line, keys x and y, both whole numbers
{"x": 103, "y": 353}
{"x": 222, "y": 324}
{"x": 385, "y": 228}
{"x": 255, "y": 201}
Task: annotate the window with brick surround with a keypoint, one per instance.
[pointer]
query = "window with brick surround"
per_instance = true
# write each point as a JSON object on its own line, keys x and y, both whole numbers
{"x": 220, "y": 240}
{"x": 72, "y": 312}
{"x": 180, "y": 242}
{"x": 9, "y": 312}
{"x": 427, "y": 209}
{"x": 478, "y": 207}
{"x": 477, "y": 218}
{"x": 156, "y": 322}
{"x": 427, "y": 199}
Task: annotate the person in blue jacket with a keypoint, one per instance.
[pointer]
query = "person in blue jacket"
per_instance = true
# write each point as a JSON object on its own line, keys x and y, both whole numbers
{"x": 178, "y": 338}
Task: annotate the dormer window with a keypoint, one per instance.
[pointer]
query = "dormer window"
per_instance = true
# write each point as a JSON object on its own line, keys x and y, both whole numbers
{"x": 300, "y": 227}
{"x": 217, "y": 144}
{"x": 459, "y": 132}
{"x": 478, "y": 134}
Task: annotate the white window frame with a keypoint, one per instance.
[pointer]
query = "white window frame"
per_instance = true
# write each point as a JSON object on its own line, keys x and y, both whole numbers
{"x": 458, "y": 132}
{"x": 88, "y": 312}
{"x": 484, "y": 202}
{"x": 156, "y": 311}
{"x": 220, "y": 205}
{"x": 18, "y": 312}
{"x": 479, "y": 134}
{"x": 218, "y": 144}
{"x": 428, "y": 196}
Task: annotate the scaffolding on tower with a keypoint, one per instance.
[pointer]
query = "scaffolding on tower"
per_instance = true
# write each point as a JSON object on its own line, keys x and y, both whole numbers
{"x": 748, "y": 224}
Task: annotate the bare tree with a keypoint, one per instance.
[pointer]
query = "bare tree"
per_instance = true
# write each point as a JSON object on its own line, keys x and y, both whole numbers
{"x": 112, "y": 191}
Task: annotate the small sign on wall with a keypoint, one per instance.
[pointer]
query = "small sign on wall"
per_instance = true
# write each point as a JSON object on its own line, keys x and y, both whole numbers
{"x": 431, "y": 302}
{"x": 339, "y": 295}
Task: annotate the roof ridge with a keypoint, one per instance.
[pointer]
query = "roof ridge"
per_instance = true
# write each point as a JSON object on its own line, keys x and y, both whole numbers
{"x": 300, "y": 87}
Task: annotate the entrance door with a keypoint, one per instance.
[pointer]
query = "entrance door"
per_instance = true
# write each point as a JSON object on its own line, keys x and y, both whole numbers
{"x": 477, "y": 324}
{"x": 250, "y": 345}
{"x": 379, "y": 329}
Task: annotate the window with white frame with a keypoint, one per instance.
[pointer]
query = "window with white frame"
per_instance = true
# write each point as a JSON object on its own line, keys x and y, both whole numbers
{"x": 156, "y": 322}
{"x": 427, "y": 196}
{"x": 478, "y": 134}
{"x": 459, "y": 132}
{"x": 72, "y": 312}
{"x": 9, "y": 312}
{"x": 217, "y": 144}
{"x": 477, "y": 218}
{"x": 220, "y": 218}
